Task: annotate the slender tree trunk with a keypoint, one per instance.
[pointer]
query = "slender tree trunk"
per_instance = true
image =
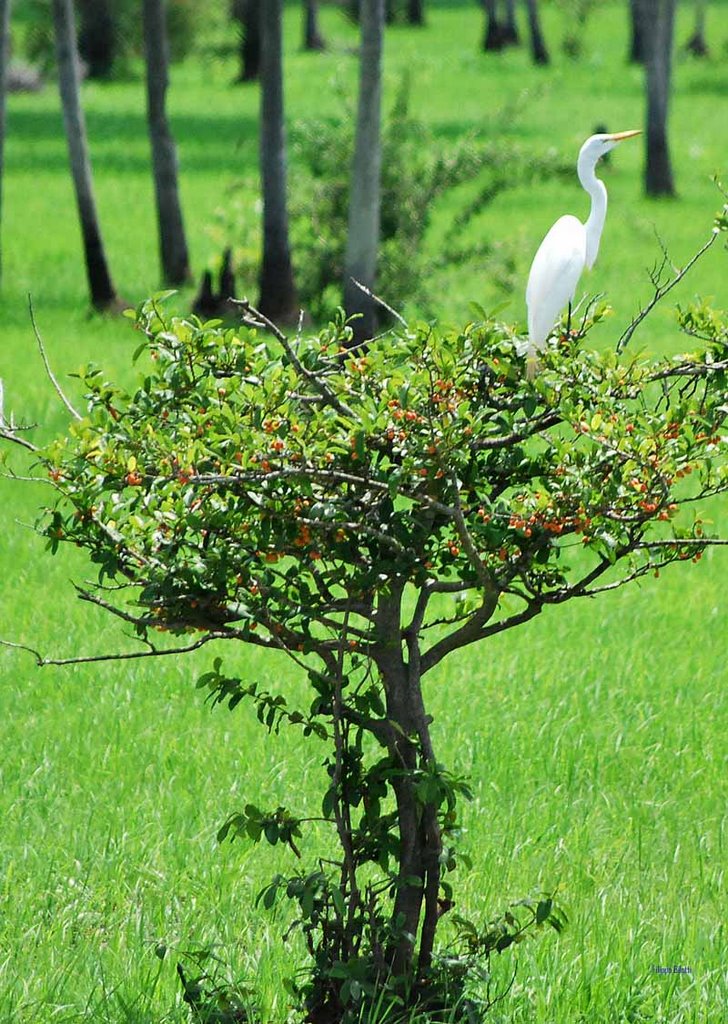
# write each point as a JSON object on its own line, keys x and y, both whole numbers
{"x": 312, "y": 38}
{"x": 416, "y": 12}
{"x": 247, "y": 14}
{"x": 637, "y": 32}
{"x": 539, "y": 52}
{"x": 418, "y": 885}
{"x": 696, "y": 44}
{"x": 4, "y": 61}
{"x": 172, "y": 242}
{"x": 493, "y": 35}
{"x": 278, "y": 298}
{"x": 364, "y": 201}
{"x": 510, "y": 25}
{"x": 660, "y": 15}
{"x": 102, "y": 290}
{"x": 97, "y": 37}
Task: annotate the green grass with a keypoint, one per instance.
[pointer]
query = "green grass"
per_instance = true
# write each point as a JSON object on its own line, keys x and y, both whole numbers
{"x": 595, "y": 736}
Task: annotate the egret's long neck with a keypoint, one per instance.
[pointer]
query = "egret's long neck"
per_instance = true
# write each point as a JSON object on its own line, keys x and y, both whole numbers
{"x": 598, "y": 212}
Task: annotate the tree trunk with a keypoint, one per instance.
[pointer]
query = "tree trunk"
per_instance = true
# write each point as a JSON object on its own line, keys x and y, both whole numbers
{"x": 4, "y": 61}
{"x": 278, "y": 299}
{"x": 312, "y": 38}
{"x": 364, "y": 201}
{"x": 660, "y": 15}
{"x": 510, "y": 25}
{"x": 637, "y": 34}
{"x": 247, "y": 13}
{"x": 97, "y": 37}
{"x": 416, "y": 12}
{"x": 493, "y": 36}
{"x": 410, "y": 745}
{"x": 99, "y": 278}
{"x": 172, "y": 243}
{"x": 539, "y": 52}
{"x": 696, "y": 44}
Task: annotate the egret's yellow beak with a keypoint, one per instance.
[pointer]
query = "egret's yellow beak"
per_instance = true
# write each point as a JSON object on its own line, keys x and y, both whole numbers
{"x": 620, "y": 136}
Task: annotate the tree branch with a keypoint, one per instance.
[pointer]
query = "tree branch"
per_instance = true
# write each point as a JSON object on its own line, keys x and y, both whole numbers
{"x": 44, "y": 357}
{"x": 154, "y": 652}
{"x": 662, "y": 290}
{"x": 313, "y": 378}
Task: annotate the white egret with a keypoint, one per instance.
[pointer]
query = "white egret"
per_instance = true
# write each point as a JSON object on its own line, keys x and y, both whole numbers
{"x": 567, "y": 248}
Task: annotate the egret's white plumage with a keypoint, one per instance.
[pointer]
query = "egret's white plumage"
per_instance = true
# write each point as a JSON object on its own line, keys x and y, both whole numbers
{"x": 568, "y": 247}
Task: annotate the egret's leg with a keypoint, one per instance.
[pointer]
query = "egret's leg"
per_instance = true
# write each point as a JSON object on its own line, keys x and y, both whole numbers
{"x": 568, "y": 322}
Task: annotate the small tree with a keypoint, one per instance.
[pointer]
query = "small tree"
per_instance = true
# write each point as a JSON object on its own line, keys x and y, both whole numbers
{"x": 494, "y": 35}
{"x": 362, "y": 239}
{"x": 278, "y": 297}
{"x": 312, "y": 38}
{"x": 247, "y": 15}
{"x": 539, "y": 50}
{"x": 98, "y": 36}
{"x": 173, "y": 253}
{"x": 697, "y": 44}
{"x": 416, "y": 12}
{"x": 103, "y": 295}
{"x": 511, "y": 35}
{"x": 369, "y": 516}
{"x": 660, "y": 16}
{"x": 4, "y": 61}
{"x": 637, "y": 45}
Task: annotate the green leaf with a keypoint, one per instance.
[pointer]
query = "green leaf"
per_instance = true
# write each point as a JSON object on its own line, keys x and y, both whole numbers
{"x": 543, "y": 910}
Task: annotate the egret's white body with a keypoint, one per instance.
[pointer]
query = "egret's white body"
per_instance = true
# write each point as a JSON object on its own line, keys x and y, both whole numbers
{"x": 568, "y": 247}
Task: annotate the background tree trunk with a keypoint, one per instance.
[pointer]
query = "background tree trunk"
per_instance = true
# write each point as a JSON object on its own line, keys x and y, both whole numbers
{"x": 97, "y": 37}
{"x": 364, "y": 202}
{"x": 696, "y": 44}
{"x": 4, "y": 61}
{"x": 660, "y": 16}
{"x": 312, "y": 38}
{"x": 510, "y": 25}
{"x": 102, "y": 290}
{"x": 539, "y": 53}
{"x": 416, "y": 12}
{"x": 493, "y": 35}
{"x": 637, "y": 32}
{"x": 278, "y": 299}
{"x": 247, "y": 14}
{"x": 172, "y": 243}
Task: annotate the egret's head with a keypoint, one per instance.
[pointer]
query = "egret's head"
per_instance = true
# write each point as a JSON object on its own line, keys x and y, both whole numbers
{"x": 597, "y": 145}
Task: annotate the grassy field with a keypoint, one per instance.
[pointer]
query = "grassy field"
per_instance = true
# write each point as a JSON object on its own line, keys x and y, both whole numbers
{"x": 595, "y": 736}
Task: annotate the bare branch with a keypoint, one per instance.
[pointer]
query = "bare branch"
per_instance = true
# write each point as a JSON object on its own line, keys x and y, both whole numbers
{"x": 314, "y": 379}
{"x": 661, "y": 290}
{"x": 154, "y": 652}
{"x": 466, "y": 540}
{"x": 541, "y": 423}
{"x": 44, "y": 357}
{"x": 10, "y": 435}
{"x": 380, "y": 302}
